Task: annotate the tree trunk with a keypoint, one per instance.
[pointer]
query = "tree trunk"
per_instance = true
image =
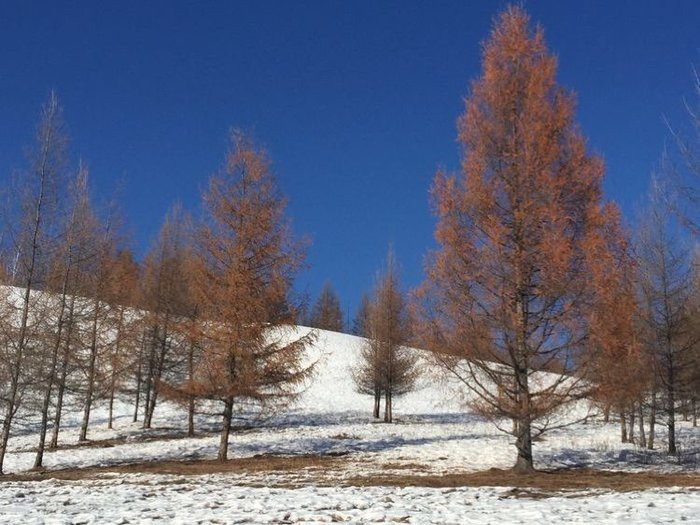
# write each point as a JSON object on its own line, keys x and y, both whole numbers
{"x": 138, "y": 379}
{"x": 190, "y": 417}
{"x": 91, "y": 375}
{"x": 190, "y": 404}
{"x": 606, "y": 414}
{"x": 623, "y": 427}
{"x": 115, "y": 366}
{"x": 226, "y": 430}
{"x": 642, "y": 437}
{"x": 695, "y": 412}
{"x": 111, "y": 407}
{"x": 64, "y": 376}
{"x": 652, "y": 421}
{"x": 377, "y": 403}
{"x": 630, "y": 432}
{"x": 50, "y": 380}
{"x": 157, "y": 373}
{"x": 388, "y": 415}
{"x": 671, "y": 411}
{"x": 149, "y": 379}
{"x": 523, "y": 442}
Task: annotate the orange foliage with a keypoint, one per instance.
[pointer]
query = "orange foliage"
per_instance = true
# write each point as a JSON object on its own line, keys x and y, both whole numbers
{"x": 522, "y": 235}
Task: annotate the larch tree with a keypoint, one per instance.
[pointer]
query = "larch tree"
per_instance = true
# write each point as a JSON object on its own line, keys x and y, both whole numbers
{"x": 189, "y": 331}
{"x": 249, "y": 353}
{"x": 667, "y": 288}
{"x": 387, "y": 366}
{"x": 62, "y": 286}
{"x": 508, "y": 288}
{"x": 620, "y": 368}
{"x": 121, "y": 295}
{"x": 104, "y": 245}
{"x": 361, "y": 323}
{"x": 326, "y": 313}
{"x": 165, "y": 299}
{"x": 77, "y": 253}
{"x": 31, "y": 235}
{"x": 686, "y": 176}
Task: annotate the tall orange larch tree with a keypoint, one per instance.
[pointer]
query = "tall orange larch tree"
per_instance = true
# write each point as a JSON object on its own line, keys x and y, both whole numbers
{"x": 249, "y": 352}
{"x": 508, "y": 287}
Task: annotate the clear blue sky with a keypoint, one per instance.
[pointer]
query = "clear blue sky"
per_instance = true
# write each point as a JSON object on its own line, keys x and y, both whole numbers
{"x": 355, "y": 101}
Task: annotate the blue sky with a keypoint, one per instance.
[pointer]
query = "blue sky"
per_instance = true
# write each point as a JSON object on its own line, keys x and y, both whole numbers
{"x": 356, "y": 102}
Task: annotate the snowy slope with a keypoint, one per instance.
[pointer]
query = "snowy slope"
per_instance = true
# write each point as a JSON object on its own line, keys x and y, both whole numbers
{"x": 434, "y": 433}
{"x": 332, "y": 388}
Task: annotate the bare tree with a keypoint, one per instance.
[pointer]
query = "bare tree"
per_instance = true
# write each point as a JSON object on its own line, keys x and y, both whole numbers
{"x": 326, "y": 313}
{"x": 165, "y": 298}
{"x": 686, "y": 176}
{"x": 122, "y": 322}
{"x": 79, "y": 253}
{"x": 387, "y": 366}
{"x": 104, "y": 247}
{"x": 62, "y": 301}
{"x": 666, "y": 282}
{"x": 361, "y": 323}
{"x": 31, "y": 241}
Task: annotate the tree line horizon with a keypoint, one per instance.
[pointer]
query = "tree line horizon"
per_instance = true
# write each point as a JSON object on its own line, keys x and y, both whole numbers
{"x": 536, "y": 297}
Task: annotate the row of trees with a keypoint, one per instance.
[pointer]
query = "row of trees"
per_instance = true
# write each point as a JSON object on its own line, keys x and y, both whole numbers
{"x": 206, "y": 316}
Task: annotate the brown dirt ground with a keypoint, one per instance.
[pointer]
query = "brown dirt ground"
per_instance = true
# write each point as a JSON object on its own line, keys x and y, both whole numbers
{"x": 318, "y": 467}
{"x": 554, "y": 480}
{"x": 260, "y": 463}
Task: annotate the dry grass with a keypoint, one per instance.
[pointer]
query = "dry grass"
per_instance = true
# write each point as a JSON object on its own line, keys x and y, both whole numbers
{"x": 260, "y": 463}
{"x": 324, "y": 470}
{"x": 556, "y": 480}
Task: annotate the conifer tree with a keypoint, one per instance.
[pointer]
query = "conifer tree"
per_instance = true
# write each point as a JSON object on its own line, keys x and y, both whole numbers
{"x": 509, "y": 285}
{"x": 31, "y": 234}
{"x": 79, "y": 254}
{"x": 165, "y": 299}
{"x": 387, "y": 366}
{"x": 326, "y": 313}
{"x": 361, "y": 322}
{"x": 123, "y": 323}
{"x": 667, "y": 292}
{"x": 249, "y": 352}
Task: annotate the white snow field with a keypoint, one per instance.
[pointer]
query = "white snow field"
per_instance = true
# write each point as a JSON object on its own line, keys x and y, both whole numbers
{"x": 434, "y": 434}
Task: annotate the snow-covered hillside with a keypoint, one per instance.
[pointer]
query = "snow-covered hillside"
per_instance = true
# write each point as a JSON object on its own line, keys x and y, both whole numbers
{"x": 434, "y": 434}
{"x": 332, "y": 388}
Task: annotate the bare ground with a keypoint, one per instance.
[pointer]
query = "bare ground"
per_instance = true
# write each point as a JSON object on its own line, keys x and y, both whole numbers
{"x": 260, "y": 463}
{"x": 551, "y": 480}
{"x": 329, "y": 469}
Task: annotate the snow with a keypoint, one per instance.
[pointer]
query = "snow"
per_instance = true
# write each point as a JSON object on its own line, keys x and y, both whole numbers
{"x": 434, "y": 433}
{"x": 147, "y": 499}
